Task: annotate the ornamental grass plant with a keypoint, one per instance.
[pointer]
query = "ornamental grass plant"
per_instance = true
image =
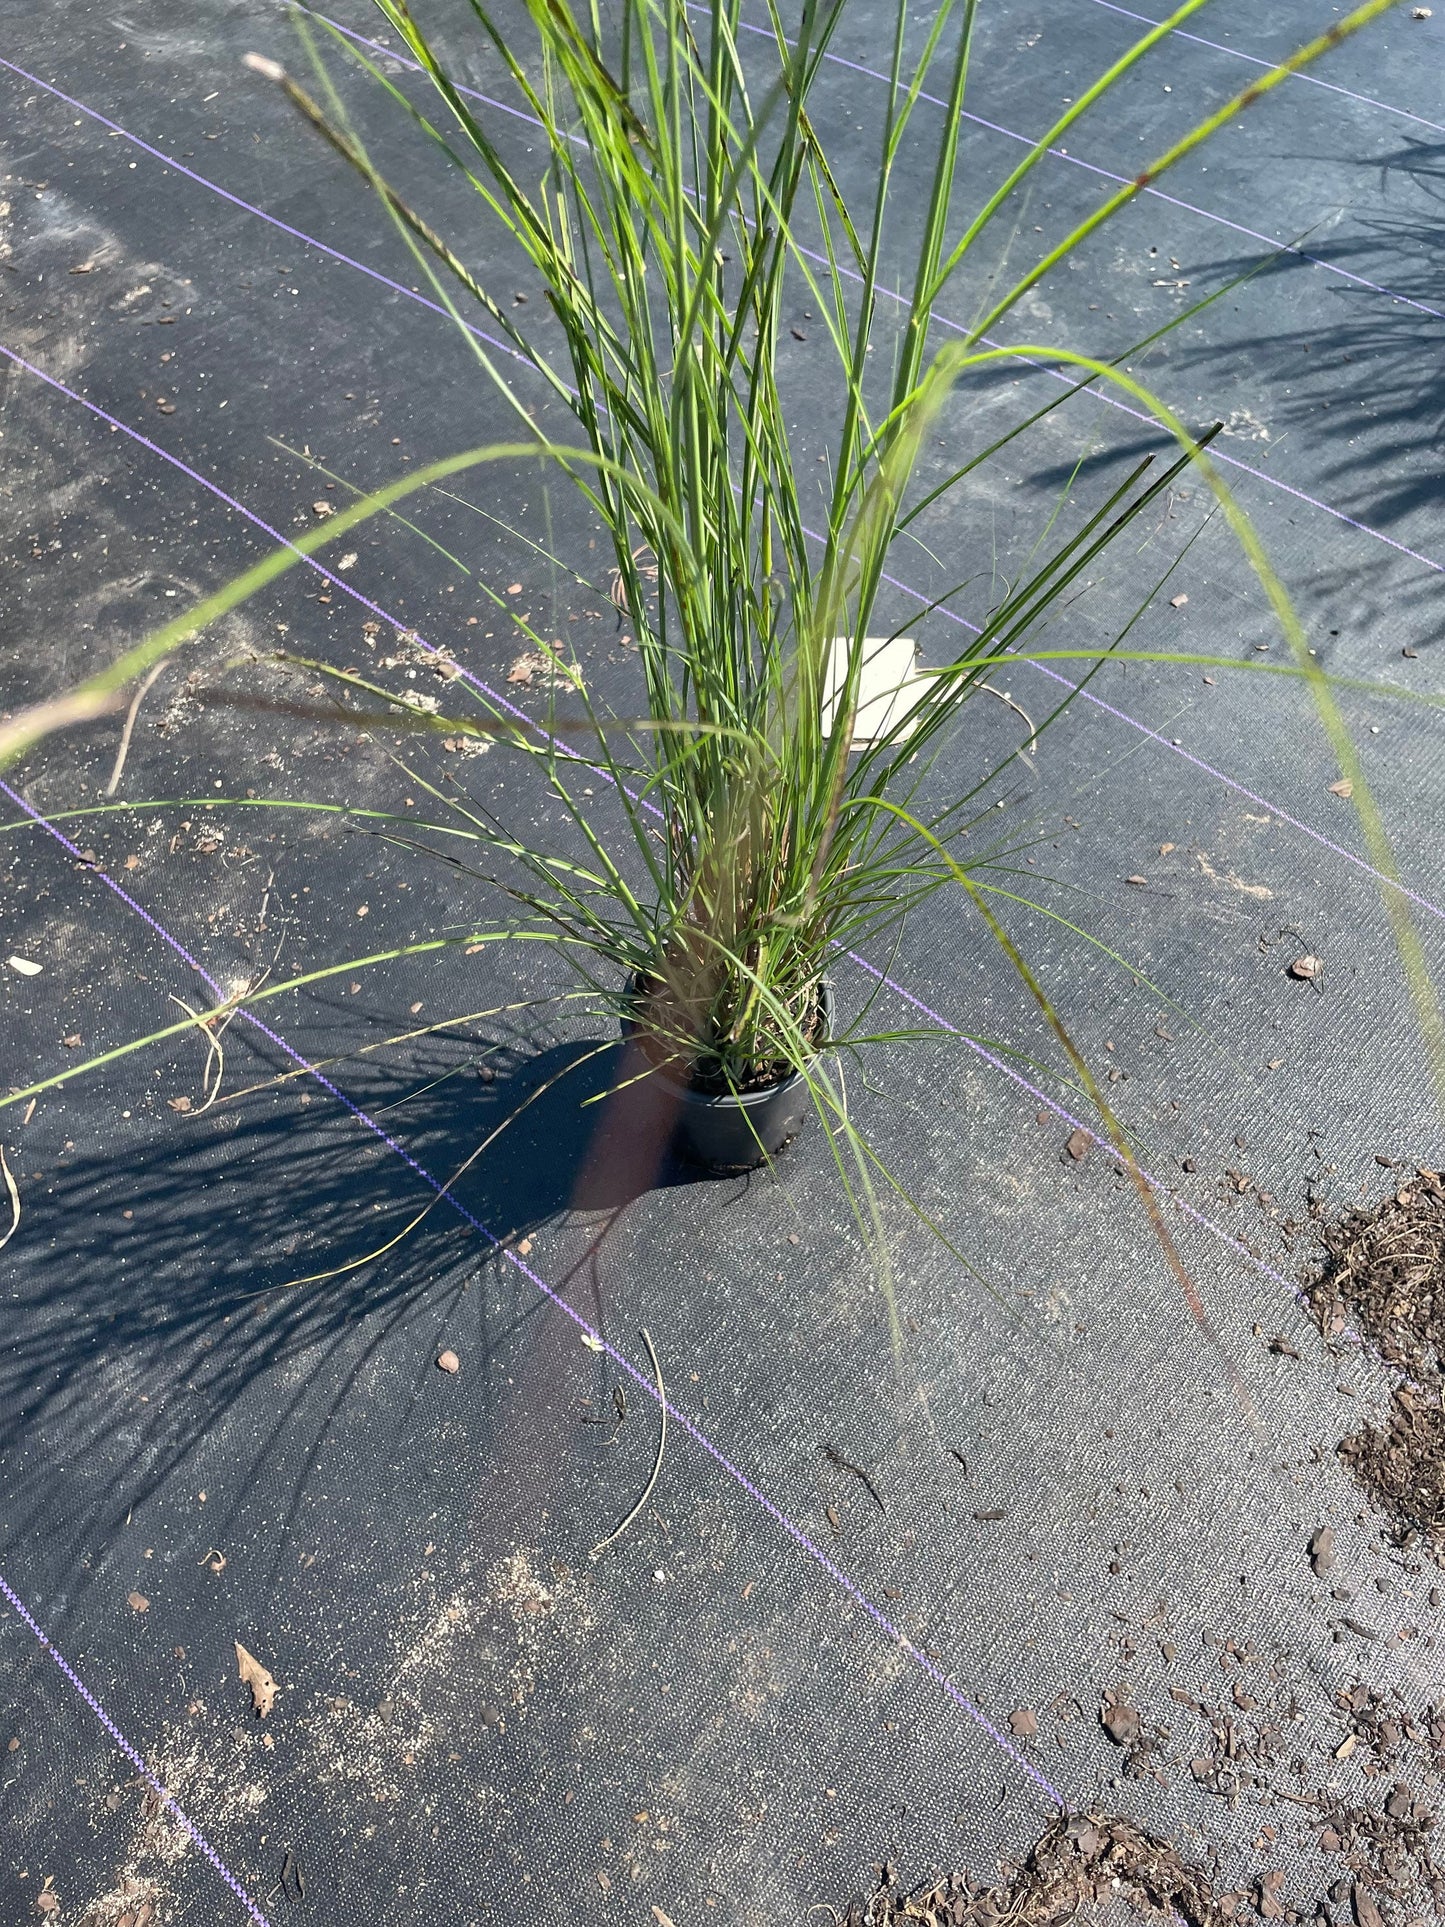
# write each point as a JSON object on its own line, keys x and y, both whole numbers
{"x": 678, "y": 194}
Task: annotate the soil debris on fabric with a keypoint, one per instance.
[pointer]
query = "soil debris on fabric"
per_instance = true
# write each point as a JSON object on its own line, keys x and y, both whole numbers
{"x": 1384, "y": 1275}
{"x": 1401, "y": 1464}
{"x": 133, "y": 1903}
{"x": 1081, "y": 1862}
{"x": 533, "y": 670}
{"x": 185, "y": 1761}
{"x": 1384, "y": 1848}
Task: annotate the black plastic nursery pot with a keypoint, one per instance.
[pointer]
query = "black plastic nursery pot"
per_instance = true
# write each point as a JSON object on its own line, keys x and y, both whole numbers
{"x": 731, "y": 1131}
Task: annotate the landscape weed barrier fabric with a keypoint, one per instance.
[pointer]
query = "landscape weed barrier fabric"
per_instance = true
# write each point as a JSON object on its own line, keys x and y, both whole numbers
{"x": 911, "y": 1578}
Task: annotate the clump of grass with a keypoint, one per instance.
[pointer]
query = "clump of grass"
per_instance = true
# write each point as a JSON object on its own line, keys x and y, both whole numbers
{"x": 687, "y": 198}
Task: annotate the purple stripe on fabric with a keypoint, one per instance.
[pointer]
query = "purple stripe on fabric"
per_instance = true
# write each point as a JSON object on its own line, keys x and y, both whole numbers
{"x": 1243, "y": 789}
{"x": 1154, "y": 193}
{"x": 1198, "y": 762}
{"x": 639, "y": 1377}
{"x": 272, "y": 220}
{"x": 993, "y": 127}
{"x": 1095, "y": 393}
{"x": 1216, "y": 454}
{"x": 493, "y": 695}
{"x": 137, "y": 1760}
{"x": 1235, "y": 53}
{"x": 1122, "y": 716}
{"x": 256, "y": 521}
{"x": 1094, "y": 1137}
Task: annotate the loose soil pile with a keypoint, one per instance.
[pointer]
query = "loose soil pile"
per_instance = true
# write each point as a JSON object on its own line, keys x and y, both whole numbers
{"x": 1081, "y": 1862}
{"x": 1384, "y": 1274}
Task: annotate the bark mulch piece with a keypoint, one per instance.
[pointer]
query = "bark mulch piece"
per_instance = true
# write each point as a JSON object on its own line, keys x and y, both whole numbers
{"x": 1081, "y": 1861}
{"x": 1384, "y": 1273}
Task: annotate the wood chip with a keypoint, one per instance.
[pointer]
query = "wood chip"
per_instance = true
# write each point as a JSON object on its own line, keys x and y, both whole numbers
{"x": 1361, "y": 1631}
{"x": 138, "y": 1602}
{"x": 1367, "y": 1914}
{"x": 1121, "y": 1722}
{"x": 254, "y": 1674}
{"x": 1023, "y": 1723}
{"x": 1138, "y": 882}
{"x": 1306, "y": 968}
{"x": 1177, "y": 601}
{"x": 524, "y": 668}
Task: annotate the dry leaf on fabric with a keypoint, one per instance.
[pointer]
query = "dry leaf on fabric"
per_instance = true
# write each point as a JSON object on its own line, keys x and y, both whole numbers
{"x": 254, "y": 1674}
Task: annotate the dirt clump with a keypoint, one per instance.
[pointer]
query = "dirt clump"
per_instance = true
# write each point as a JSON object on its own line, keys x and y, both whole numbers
{"x": 1081, "y": 1861}
{"x": 1384, "y": 1274}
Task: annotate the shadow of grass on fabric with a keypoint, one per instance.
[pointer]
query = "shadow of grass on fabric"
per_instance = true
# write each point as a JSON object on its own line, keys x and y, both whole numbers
{"x": 162, "y": 1287}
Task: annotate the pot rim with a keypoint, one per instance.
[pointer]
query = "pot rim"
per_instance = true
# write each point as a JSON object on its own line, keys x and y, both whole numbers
{"x": 740, "y": 1100}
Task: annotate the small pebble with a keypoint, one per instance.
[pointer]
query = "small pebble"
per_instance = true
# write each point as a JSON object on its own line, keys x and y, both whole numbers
{"x": 448, "y": 1362}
